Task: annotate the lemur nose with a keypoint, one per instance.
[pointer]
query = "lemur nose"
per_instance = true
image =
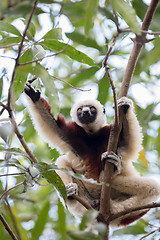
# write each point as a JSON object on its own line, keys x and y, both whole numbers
{"x": 85, "y": 111}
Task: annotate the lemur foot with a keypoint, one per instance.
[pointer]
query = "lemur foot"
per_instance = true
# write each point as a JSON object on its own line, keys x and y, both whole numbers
{"x": 112, "y": 158}
{"x": 125, "y": 102}
{"x": 31, "y": 92}
{"x": 71, "y": 188}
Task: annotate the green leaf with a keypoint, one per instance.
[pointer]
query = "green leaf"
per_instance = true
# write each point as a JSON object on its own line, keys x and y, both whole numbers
{"x": 52, "y": 177}
{"x": 136, "y": 229}
{"x": 41, "y": 221}
{"x": 90, "y": 13}
{"x": 9, "y": 40}
{"x": 20, "y": 79}
{"x": 9, "y": 28}
{"x": 55, "y": 33}
{"x": 88, "y": 217}
{"x": 75, "y": 12}
{"x": 88, "y": 42}
{"x": 16, "y": 151}
{"x": 140, "y": 8}
{"x": 127, "y": 13}
{"x": 22, "y": 9}
{"x": 153, "y": 56}
{"x": 69, "y": 51}
{"x": 61, "y": 223}
{"x": 51, "y": 90}
{"x": 103, "y": 86}
{"x": 80, "y": 77}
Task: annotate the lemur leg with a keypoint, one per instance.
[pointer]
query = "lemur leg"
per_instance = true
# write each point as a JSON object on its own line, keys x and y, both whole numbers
{"x": 140, "y": 189}
{"x": 71, "y": 188}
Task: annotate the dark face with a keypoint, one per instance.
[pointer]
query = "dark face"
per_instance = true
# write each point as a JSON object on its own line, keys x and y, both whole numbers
{"x": 86, "y": 114}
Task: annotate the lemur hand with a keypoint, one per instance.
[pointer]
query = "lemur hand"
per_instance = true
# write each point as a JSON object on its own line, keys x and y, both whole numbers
{"x": 71, "y": 188}
{"x": 125, "y": 102}
{"x": 112, "y": 158}
{"x": 31, "y": 92}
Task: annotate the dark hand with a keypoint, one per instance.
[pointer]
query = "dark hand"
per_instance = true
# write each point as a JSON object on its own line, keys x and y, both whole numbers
{"x": 32, "y": 93}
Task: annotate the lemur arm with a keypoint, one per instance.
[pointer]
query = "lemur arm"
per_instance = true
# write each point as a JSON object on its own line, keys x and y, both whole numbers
{"x": 130, "y": 139}
{"x": 44, "y": 121}
{"x": 131, "y": 135}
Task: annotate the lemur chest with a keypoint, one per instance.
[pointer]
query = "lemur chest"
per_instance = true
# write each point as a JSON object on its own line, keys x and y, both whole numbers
{"x": 90, "y": 149}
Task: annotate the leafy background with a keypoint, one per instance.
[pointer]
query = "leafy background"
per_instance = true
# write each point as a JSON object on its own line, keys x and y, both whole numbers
{"x": 82, "y": 31}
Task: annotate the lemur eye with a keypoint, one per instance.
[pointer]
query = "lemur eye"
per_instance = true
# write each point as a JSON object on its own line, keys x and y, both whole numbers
{"x": 79, "y": 110}
{"x": 92, "y": 108}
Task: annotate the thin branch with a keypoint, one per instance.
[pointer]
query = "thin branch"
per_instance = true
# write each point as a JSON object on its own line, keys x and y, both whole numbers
{"x": 7, "y": 227}
{"x": 116, "y": 118}
{"x": 10, "y": 45}
{"x": 12, "y": 174}
{"x": 21, "y": 139}
{"x": 4, "y": 193}
{"x": 40, "y": 59}
{"x": 148, "y": 234}
{"x": 13, "y": 220}
{"x": 79, "y": 89}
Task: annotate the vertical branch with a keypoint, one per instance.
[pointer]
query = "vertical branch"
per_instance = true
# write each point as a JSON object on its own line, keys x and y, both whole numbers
{"x": 139, "y": 42}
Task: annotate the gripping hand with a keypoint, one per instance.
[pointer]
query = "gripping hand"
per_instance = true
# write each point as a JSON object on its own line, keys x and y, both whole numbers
{"x": 71, "y": 188}
{"x": 112, "y": 158}
{"x": 31, "y": 92}
{"x": 125, "y": 102}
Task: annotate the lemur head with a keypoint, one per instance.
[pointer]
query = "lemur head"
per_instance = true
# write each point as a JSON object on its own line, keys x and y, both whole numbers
{"x": 89, "y": 114}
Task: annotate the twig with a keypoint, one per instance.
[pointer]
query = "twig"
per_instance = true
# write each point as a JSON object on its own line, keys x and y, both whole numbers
{"x": 148, "y": 234}
{"x": 62, "y": 80}
{"x": 40, "y": 59}
{"x": 13, "y": 220}
{"x": 7, "y": 227}
{"x": 12, "y": 174}
{"x": 9, "y": 45}
{"x": 4, "y": 193}
{"x": 116, "y": 118}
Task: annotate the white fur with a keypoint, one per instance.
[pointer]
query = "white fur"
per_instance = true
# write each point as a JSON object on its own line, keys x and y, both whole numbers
{"x": 100, "y": 120}
{"x": 143, "y": 190}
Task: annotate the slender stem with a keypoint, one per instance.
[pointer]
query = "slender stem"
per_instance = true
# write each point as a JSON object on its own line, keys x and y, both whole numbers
{"x": 4, "y": 193}
{"x": 7, "y": 227}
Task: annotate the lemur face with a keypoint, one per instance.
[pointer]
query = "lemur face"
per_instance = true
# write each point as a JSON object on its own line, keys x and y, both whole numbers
{"x": 86, "y": 114}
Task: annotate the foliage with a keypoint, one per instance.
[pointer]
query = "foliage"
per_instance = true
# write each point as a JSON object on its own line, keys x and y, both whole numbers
{"x": 66, "y": 44}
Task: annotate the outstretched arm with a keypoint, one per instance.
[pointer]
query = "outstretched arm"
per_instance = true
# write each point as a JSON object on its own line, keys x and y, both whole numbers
{"x": 44, "y": 121}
